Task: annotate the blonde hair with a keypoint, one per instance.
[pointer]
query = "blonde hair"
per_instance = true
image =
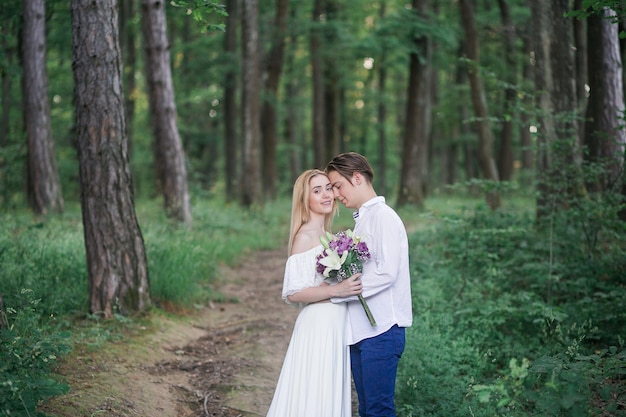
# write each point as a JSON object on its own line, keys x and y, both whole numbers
{"x": 300, "y": 210}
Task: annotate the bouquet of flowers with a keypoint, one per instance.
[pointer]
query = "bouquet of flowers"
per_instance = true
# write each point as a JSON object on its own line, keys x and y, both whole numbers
{"x": 343, "y": 256}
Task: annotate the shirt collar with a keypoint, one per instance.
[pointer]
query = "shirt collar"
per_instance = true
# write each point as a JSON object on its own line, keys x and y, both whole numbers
{"x": 366, "y": 206}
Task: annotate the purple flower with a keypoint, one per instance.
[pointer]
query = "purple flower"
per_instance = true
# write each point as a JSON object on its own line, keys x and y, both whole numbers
{"x": 343, "y": 255}
{"x": 362, "y": 251}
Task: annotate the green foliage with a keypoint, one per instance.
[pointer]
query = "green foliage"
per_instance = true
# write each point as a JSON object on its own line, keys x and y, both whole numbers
{"x": 29, "y": 348}
{"x": 536, "y": 310}
{"x": 437, "y": 368}
{"x": 43, "y": 280}
{"x": 589, "y": 7}
{"x": 47, "y": 257}
{"x": 201, "y": 10}
{"x": 182, "y": 273}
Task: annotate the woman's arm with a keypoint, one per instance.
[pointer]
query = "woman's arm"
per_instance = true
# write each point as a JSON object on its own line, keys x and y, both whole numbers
{"x": 348, "y": 287}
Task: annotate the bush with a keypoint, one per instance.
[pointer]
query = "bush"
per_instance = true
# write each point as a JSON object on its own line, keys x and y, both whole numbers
{"x": 44, "y": 283}
{"x": 436, "y": 370}
{"x": 540, "y": 306}
{"x": 29, "y": 348}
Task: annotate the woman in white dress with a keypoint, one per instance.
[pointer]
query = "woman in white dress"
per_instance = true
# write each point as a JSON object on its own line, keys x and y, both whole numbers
{"x": 315, "y": 377}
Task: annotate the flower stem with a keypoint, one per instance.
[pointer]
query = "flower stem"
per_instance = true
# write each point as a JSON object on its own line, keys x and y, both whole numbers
{"x": 367, "y": 310}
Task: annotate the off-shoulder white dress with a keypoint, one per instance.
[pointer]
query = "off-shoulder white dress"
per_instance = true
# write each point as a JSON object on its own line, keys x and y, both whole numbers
{"x": 315, "y": 377}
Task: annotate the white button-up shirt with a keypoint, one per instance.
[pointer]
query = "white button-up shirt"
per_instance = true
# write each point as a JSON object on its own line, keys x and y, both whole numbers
{"x": 386, "y": 276}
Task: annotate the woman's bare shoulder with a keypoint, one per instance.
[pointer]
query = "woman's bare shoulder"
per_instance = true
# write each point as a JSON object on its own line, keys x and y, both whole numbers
{"x": 304, "y": 241}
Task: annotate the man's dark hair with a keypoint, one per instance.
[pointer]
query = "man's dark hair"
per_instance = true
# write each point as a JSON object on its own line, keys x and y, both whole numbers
{"x": 346, "y": 164}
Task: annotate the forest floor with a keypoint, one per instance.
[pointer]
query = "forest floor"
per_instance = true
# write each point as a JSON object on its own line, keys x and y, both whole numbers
{"x": 221, "y": 361}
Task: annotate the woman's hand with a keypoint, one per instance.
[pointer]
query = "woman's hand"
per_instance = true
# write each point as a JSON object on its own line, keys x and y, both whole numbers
{"x": 349, "y": 287}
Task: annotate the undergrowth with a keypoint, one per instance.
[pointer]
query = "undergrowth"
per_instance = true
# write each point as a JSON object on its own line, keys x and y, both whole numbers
{"x": 517, "y": 318}
{"x": 511, "y": 317}
{"x": 43, "y": 284}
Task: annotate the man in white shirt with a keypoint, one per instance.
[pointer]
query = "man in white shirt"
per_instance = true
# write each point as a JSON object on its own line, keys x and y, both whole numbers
{"x": 375, "y": 350}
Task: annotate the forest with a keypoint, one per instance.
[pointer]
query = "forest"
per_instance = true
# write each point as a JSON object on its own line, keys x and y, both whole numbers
{"x": 146, "y": 139}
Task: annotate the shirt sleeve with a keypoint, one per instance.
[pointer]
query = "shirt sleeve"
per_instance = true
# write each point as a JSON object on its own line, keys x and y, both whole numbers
{"x": 390, "y": 245}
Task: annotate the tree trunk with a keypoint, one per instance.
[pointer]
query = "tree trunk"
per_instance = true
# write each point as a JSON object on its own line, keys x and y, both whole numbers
{"x": 44, "y": 185}
{"x": 622, "y": 46}
{"x": 9, "y": 52}
{"x": 459, "y": 129}
{"x": 505, "y": 155}
{"x": 269, "y": 118}
{"x": 251, "y": 177}
{"x": 332, "y": 88}
{"x": 230, "y": 102}
{"x": 417, "y": 121}
{"x": 528, "y": 154}
{"x": 292, "y": 125}
{"x": 605, "y": 137}
{"x": 468, "y": 151}
{"x": 317, "y": 65}
{"x": 479, "y": 101}
{"x": 169, "y": 157}
{"x": 580, "y": 39}
{"x": 381, "y": 111}
{"x": 116, "y": 259}
{"x": 129, "y": 50}
{"x": 332, "y": 112}
{"x": 544, "y": 83}
{"x": 558, "y": 153}
{"x": 4, "y": 133}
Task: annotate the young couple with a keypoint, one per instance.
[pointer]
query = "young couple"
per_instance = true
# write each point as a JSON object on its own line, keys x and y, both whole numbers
{"x": 332, "y": 332}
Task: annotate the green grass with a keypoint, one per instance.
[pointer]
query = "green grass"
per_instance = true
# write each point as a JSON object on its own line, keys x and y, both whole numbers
{"x": 184, "y": 261}
{"x": 511, "y": 317}
{"x": 43, "y": 283}
{"x": 48, "y": 256}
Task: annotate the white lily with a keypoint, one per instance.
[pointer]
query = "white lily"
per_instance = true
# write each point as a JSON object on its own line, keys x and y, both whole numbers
{"x": 326, "y": 240}
{"x": 332, "y": 261}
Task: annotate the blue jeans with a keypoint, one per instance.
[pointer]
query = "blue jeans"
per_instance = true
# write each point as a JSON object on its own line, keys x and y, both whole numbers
{"x": 374, "y": 363}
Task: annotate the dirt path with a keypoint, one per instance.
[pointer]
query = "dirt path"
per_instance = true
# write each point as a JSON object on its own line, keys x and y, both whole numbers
{"x": 246, "y": 342}
{"x": 222, "y": 362}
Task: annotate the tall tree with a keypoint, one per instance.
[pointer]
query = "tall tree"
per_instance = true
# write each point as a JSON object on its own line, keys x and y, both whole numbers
{"x": 317, "y": 68}
{"x": 169, "y": 157}
{"x": 332, "y": 85}
{"x": 381, "y": 112}
{"x": 44, "y": 186}
{"x": 580, "y": 39}
{"x": 458, "y": 130}
{"x": 527, "y": 153}
{"x": 558, "y": 150}
{"x": 605, "y": 137}
{"x": 116, "y": 258}
{"x": 417, "y": 121}
{"x": 505, "y": 150}
{"x": 230, "y": 100}
{"x": 129, "y": 51}
{"x": 479, "y": 101}
{"x": 251, "y": 176}
{"x": 10, "y": 17}
{"x": 269, "y": 118}
{"x": 292, "y": 125}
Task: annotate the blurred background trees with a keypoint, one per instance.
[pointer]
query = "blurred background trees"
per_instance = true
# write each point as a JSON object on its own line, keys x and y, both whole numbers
{"x": 192, "y": 103}
{"x": 234, "y": 100}
{"x": 264, "y": 89}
